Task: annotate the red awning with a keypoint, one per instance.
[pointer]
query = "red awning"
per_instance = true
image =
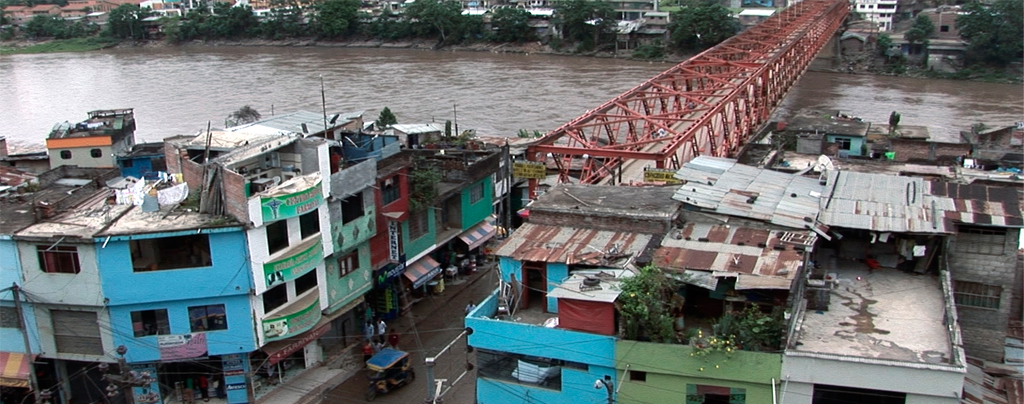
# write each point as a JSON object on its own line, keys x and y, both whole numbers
{"x": 14, "y": 368}
{"x": 478, "y": 235}
{"x": 422, "y": 271}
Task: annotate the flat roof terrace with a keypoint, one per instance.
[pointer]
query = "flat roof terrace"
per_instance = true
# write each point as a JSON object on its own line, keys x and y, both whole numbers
{"x": 886, "y": 314}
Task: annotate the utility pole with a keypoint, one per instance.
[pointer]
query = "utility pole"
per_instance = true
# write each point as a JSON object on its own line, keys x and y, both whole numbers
{"x": 127, "y": 380}
{"x": 32, "y": 382}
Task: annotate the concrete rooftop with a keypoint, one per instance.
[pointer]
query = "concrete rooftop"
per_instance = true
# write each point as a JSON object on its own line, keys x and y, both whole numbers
{"x": 887, "y": 314}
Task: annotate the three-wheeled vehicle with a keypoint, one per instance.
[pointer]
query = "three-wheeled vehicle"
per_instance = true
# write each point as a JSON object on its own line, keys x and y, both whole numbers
{"x": 388, "y": 369}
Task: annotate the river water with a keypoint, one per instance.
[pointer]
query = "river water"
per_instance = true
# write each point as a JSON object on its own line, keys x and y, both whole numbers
{"x": 177, "y": 90}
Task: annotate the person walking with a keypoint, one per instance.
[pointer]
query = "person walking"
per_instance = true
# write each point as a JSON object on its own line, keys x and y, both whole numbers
{"x": 367, "y": 351}
{"x": 382, "y": 329}
{"x": 369, "y": 330}
{"x": 204, "y": 387}
{"x": 393, "y": 339}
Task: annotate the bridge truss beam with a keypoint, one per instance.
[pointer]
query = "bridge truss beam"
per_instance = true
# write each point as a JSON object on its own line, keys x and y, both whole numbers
{"x": 709, "y": 104}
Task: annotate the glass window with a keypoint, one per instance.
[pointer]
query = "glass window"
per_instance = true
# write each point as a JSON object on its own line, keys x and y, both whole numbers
{"x": 65, "y": 154}
{"x": 305, "y": 283}
{"x": 150, "y": 322}
{"x": 418, "y": 224}
{"x": 207, "y": 318}
{"x": 309, "y": 223}
{"x": 274, "y": 298}
{"x": 975, "y": 294}
{"x": 352, "y": 208}
{"x": 58, "y": 259}
{"x": 390, "y": 191}
{"x": 701, "y": 393}
{"x": 96, "y": 153}
{"x": 844, "y": 143}
{"x": 348, "y": 264}
{"x": 522, "y": 369}
{"x": 164, "y": 253}
{"x": 277, "y": 236}
{"x": 476, "y": 193}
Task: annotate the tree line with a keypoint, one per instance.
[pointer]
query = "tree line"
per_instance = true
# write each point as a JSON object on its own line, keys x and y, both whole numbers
{"x": 586, "y": 25}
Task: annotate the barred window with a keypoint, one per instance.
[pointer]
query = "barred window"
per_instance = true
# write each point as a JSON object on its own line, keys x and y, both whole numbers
{"x": 418, "y": 225}
{"x": 980, "y": 240}
{"x": 476, "y": 193}
{"x": 975, "y": 294}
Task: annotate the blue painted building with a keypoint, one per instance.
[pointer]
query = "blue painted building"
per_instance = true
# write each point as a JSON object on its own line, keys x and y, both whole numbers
{"x": 179, "y": 298}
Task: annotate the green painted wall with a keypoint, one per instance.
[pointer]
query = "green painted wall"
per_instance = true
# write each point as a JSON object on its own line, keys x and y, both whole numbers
{"x": 342, "y": 289}
{"x": 356, "y": 232}
{"x": 670, "y": 370}
{"x": 422, "y": 243}
{"x": 473, "y": 213}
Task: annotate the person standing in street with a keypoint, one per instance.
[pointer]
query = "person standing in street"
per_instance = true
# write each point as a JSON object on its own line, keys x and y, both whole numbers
{"x": 367, "y": 351}
{"x": 382, "y": 329}
{"x": 369, "y": 330}
{"x": 393, "y": 339}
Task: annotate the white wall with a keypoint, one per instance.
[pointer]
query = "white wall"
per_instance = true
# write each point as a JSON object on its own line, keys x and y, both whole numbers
{"x": 81, "y": 289}
{"x": 931, "y": 383}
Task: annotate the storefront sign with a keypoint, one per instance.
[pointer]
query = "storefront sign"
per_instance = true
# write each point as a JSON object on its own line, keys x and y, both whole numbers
{"x": 385, "y": 275}
{"x": 291, "y": 205}
{"x": 393, "y": 235}
{"x": 179, "y": 347}
{"x": 236, "y": 386}
{"x": 295, "y": 265}
{"x": 528, "y": 170}
{"x": 148, "y": 394}
{"x": 298, "y": 344}
{"x": 292, "y": 324}
{"x": 658, "y": 175}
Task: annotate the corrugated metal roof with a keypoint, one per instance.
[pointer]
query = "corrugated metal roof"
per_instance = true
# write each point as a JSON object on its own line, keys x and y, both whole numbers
{"x": 769, "y": 259}
{"x": 569, "y": 245}
{"x": 607, "y": 290}
{"x": 725, "y": 187}
{"x": 409, "y": 128}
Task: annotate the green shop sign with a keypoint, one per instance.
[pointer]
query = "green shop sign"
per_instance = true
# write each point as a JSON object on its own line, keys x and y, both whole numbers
{"x": 292, "y": 324}
{"x": 295, "y": 265}
{"x": 291, "y": 205}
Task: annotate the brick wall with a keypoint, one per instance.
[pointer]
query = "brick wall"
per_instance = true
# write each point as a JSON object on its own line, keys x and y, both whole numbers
{"x": 919, "y": 151}
{"x": 236, "y": 204}
{"x": 984, "y": 329}
{"x": 171, "y": 157}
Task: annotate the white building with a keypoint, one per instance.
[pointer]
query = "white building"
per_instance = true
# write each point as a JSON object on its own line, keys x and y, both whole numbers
{"x": 879, "y": 11}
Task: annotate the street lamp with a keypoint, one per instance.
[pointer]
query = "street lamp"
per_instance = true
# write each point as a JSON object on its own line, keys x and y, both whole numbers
{"x": 128, "y": 379}
{"x": 607, "y": 383}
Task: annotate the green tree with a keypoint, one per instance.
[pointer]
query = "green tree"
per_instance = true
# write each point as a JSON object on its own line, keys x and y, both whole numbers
{"x": 284, "y": 21}
{"x": 44, "y": 26}
{"x": 993, "y": 33}
{"x": 884, "y": 45}
{"x": 585, "y": 21}
{"x": 245, "y": 114}
{"x": 337, "y": 18}
{"x": 919, "y": 33}
{"x": 701, "y": 24}
{"x": 511, "y": 25}
{"x": 233, "y": 22}
{"x": 644, "y": 305}
{"x": 435, "y": 17}
{"x": 125, "y": 22}
{"x": 385, "y": 119}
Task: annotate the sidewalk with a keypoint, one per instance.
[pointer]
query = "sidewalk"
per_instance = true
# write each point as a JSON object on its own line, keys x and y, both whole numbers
{"x": 310, "y": 386}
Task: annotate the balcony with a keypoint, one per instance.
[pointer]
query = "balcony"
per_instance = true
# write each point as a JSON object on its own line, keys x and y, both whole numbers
{"x": 294, "y": 318}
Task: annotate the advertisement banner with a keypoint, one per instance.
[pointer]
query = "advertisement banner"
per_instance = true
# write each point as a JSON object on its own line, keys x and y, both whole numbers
{"x": 659, "y": 175}
{"x": 295, "y": 265}
{"x": 180, "y": 347}
{"x": 528, "y": 170}
{"x": 291, "y": 205}
{"x": 150, "y": 393}
{"x": 293, "y": 324}
{"x": 393, "y": 236}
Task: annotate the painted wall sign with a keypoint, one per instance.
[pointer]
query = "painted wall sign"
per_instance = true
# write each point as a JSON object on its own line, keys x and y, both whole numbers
{"x": 656, "y": 175}
{"x": 295, "y": 265}
{"x": 292, "y": 324}
{"x": 393, "y": 237}
{"x": 179, "y": 347}
{"x": 298, "y": 344}
{"x": 291, "y": 205}
{"x": 523, "y": 169}
{"x": 236, "y": 386}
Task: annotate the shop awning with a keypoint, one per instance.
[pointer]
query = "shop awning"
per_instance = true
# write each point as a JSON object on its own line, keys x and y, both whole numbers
{"x": 279, "y": 350}
{"x": 14, "y": 368}
{"x": 478, "y": 234}
{"x": 422, "y": 271}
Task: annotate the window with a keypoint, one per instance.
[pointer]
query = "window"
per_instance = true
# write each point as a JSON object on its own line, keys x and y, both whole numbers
{"x": 348, "y": 263}
{"x": 706, "y": 394}
{"x": 96, "y": 153}
{"x": 150, "y": 322}
{"x": 418, "y": 224}
{"x": 76, "y": 332}
{"x": 637, "y": 376}
{"x": 476, "y": 193}
{"x": 844, "y": 143}
{"x": 944, "y": 28}
{"x": 207, "y": 318}
{"x": 157, "y": 254}
{"x": 9, "y": 317}
{"x": 980, "y": 240}
{"x": 976, "y": 294}
{"x": 274, "y": 298}
{"x": 58, "y": 259}
{"x": 390, "y": 191}
{"x": 277, "y": 236}
{"x": 305, "y": 283}
{"x": 825, "y": 394}
{"x": 309, "y": 223}
{"x": 127, "y": 163}
{"x": 65, "y": 154}
{"x": 352, "y": 208}
{"x": 522, "y": 369}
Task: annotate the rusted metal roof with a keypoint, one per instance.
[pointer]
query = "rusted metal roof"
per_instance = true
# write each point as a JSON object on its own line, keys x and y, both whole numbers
{"x": 570, "y": 245}
{"x": 759, "y": 258}
{"x": 981, "y": 204}
{"x": 723, "y": 186}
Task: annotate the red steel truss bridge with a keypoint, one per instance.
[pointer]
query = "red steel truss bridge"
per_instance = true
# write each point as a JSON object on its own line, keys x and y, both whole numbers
{"x": 710, "y": 104}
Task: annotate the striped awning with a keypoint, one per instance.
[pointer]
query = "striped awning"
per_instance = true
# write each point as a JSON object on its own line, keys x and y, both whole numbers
{"x": 422, "y": 271}
{"x": 14, "y": 368}
{"x": 478, "y": 234}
